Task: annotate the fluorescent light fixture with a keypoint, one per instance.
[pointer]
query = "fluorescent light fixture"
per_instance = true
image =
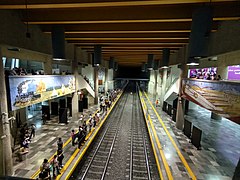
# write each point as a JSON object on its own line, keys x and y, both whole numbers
{"x": 192, "y": 64}
{"x": 58, "y": 59}
{"x": 150, "y": 68}
{"x": 164, "y": 67}
{"x": 96, "y": 64}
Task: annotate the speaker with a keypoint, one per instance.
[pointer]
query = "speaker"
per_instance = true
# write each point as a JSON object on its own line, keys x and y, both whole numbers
{"x": 175, "y": 102}
{"x": 186, "y": 107}
{"x": 169, "y": 110}
{"x": 80, "y": 106}
{"x": 62, "y": 103}
{"x": 85, "y": 103}
{"x": 196, "y": 137}
{"x": 164, "y": 108}
{"x": 187, "y": 129}
{"x": 46, "y": 110}
{"x": 62, "y": 115}
{"x": 174, "y": 116}
{"x": 54, "y": 108}
{"x": 69, "y": 102}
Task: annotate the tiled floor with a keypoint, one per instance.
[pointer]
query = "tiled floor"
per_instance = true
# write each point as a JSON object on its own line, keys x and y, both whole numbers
{"x": 220, "y": 144}
{"x": 222, "y": 137}
{"x": 44, "y": 144}
{"x": 217, "y": 159}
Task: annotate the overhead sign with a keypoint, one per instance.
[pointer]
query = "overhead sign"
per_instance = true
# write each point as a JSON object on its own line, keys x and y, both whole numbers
{"x": 220, "y": 97}
{"x": 28, "y": 90}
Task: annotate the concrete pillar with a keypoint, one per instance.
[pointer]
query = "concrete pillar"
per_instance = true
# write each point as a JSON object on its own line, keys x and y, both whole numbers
{"x": 75, "y": 95}
{"x": 47, "y": 65}
{"x": 6, "y": 166}
{"x": 215, "y": 116}
{"x": 23, "y": 115}
{"x": 106, "y": 80}
{"x": 80, "y": 67}
{"x": 222, "y": 71}
{"x": 155, "y": 85}
{"x": 181, "y": 102}
{"x": 96, "y": 84}
{"x": 164, "y": 81}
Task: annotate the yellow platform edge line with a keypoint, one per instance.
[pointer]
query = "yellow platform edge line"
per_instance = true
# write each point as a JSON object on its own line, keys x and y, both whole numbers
{"x": 89, "y": 143}
{"x": 72, "y": 157}
{"x": 166, "y": 166}
{"x": 65, "y": 144}
{"x": 173, "y": 142}
{"x": 169, "y": 173}
{"x": 38, "y": 171}
{"x": 154, "y": 149}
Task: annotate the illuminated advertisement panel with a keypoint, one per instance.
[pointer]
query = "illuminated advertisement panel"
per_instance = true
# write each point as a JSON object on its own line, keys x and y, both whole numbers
{"x": 28, "y": 90}
{"x": 203, "y": 73}
{"x": 220, "y": 97}
{"x": 234, "y": 72}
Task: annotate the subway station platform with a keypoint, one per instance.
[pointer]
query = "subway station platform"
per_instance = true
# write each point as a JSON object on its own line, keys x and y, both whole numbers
{"x": 220, "y": 150}
{"x": 179, "y": 159}
{"x": 44, "y": 144}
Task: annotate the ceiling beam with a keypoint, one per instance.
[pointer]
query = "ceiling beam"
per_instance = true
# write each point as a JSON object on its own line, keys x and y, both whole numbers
{"x": 127, "y": 27}
{"x": 123, "y": 32}
{"x": 128, "y": 21}
{"x": 122, "y": 35}
{"x": 88, "y": 4}
{"x": 152, "y": 14}
{"x": 126, "y": 47}
{"x": 130, "y": 43}
{"x": 126, "y": 39}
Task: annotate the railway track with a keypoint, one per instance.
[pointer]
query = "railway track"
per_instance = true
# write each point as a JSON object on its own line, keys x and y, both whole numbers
{"x": 139, "y": 167}
{"x": 122, "y": 149}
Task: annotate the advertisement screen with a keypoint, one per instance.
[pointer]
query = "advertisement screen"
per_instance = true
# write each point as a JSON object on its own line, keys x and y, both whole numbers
{"x": 204, "y": 73}
{"x": 28, "y": 90}
{"x": 234, "y": 72}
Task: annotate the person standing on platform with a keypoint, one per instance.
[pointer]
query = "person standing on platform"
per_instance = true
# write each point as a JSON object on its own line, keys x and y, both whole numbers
{"x": 84, "y": 126}
{"x": 81, "y": 137}
{"x": 45, "y": 170}
{"x": 94, "y": 121}
{"x": 73, "y": 137}
{"x": 60, "y": 157}
{"x": 55, "y": 165}
{"x": 60, "y": 143}
{"x": 157, "y": 103}
{"x": 33, "y": 128}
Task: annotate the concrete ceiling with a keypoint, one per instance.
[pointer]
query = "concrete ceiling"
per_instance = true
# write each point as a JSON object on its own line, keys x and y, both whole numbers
{"x": 127, "y": 30}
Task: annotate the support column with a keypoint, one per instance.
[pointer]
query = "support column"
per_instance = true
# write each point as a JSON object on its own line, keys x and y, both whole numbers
{"x": 6, "y": 167}
{"x": 47, "y": 65}
{"x": 23, "y": 115}
{"x": 75, "y": 95}
{"x": 96, "y": 85}
{"x": 164, "y": 81}
{"x": 181, "y": 102}
{"x": 106, "y": 80}
{"x": 155, "y": 86}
